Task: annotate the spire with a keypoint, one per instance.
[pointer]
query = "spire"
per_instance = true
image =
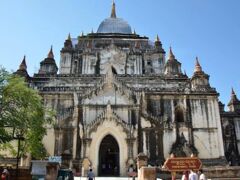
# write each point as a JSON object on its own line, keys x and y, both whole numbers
{"x": 50, "y": 54}
{"x": 22, "y": 70}
{"x": 157, "y": 39}
{"x": 82, "y": 34}
{"x": 92, "y": 31}
{"x": 158, "y": 43}
{"x": 233, "y": 96}
{"x": 171, "y": 55}
{"x": 233, "y": 93}
{"x": 23, "y": 65}
{"x": 69, "y": 37}
{"x": 113, "y": 13}
{"x": 198, "y": 67}
{"x": 234, "y": 100}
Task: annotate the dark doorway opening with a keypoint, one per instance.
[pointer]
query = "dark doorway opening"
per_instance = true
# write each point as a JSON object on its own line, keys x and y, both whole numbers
{"x": 108, "y": 157}
{"x": 114, "y": 70}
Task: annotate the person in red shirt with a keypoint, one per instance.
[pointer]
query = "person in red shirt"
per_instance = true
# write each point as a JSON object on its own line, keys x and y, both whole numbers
{"x": 5, "y": 175}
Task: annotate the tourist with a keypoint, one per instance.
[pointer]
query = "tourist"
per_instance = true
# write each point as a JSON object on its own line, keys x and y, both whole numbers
{"x": 202, "y": 175}
{"x": 185, "y": 175}
{"x": 131, "y": 172}
{"x": 5, "y": 175}
{"x": 193, "y": 175}
{"x": 90, "y": 175}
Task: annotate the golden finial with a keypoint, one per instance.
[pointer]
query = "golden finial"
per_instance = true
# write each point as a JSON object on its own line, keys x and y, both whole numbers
{"x": 198, "y": 67}
{"x": 50, "y": 54}
{"x": 171, "y": 55}
{"x": 113, "y": 13}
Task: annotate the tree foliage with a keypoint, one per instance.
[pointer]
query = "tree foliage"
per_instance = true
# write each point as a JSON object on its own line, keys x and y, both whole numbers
{"x": 4, "y": 135}
{"x": 23, "y": 115}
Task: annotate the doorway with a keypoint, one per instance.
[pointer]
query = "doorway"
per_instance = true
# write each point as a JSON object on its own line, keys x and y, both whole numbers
{"x": 108, "y": 157}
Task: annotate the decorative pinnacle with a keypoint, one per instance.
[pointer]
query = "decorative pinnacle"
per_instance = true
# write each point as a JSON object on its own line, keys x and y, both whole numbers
{"x": 50, "y": 54}
{"x": 233, "y": 97}
{"x": 171, "y": 55}
{"x": 198, "y": 67}
{"x": 113, "y": 13}
{"x": 233, "y": 92}
{"x": 23, "y": 65}
{"x": 69, "y": 37}
{"x": 82, "y": 33}
{"x": 157, "y": 38}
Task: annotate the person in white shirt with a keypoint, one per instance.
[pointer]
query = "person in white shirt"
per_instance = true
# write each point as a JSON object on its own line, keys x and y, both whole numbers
{"x": 193, "y": 175}
{"x": 202, "y": 175}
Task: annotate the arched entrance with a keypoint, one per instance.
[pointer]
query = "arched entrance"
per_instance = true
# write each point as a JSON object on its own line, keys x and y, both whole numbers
{"x": 108, "y": 157}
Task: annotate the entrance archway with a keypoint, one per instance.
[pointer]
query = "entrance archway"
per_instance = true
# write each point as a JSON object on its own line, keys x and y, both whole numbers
{"x": 108, "y": 157}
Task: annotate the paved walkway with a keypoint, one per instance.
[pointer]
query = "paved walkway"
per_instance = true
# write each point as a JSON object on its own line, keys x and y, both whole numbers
{"x": 105, "y": 178}
{"x": 125, "y": 178}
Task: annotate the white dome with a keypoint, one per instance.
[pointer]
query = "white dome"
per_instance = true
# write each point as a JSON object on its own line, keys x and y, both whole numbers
{"x": 114, "y": 25}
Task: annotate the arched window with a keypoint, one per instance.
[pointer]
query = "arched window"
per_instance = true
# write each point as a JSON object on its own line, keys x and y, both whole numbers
{"x": 179, "y": 115}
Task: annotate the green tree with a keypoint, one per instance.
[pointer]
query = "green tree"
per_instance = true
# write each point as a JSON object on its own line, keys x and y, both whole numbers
{"x": 23, "y": 114}
{"x": 4, "y": 135}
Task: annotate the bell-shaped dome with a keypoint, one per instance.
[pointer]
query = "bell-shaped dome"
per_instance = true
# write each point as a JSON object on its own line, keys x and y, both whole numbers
{"x": 114, "y": 24}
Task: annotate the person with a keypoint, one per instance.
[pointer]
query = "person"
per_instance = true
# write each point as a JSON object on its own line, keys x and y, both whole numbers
{"x": 131, "y": 172}
{"x": 185, "y": 175}
{"x": 5, "y": 175}
{"x": 202, "y": 175}
{"x": 90, "y": 175}
{"x": 193, "y": 175}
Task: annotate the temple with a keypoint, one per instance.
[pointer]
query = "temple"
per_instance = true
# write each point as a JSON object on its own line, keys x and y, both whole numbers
{"x": 117, "y": 94}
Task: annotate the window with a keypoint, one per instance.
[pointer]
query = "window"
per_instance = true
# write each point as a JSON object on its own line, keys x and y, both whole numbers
{"x": 179, "y": 115}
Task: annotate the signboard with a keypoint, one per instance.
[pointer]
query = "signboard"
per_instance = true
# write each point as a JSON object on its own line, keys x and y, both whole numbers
{"x": 57, "y": 159}
{"x": 39, "y": 167}
{"x": 182, "y": 164}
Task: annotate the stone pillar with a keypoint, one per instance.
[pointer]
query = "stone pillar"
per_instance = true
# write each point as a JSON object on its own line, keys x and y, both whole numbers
{"x": 86, "y": 164}
{"x": 144, "y": 142}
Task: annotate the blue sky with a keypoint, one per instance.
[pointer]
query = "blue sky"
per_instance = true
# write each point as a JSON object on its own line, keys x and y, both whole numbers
{"x": 209, "y": 29}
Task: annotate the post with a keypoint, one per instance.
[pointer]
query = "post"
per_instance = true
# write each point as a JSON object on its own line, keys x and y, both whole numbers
{"x": 173, "y": 173}
{"x": 18, "y": 137}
